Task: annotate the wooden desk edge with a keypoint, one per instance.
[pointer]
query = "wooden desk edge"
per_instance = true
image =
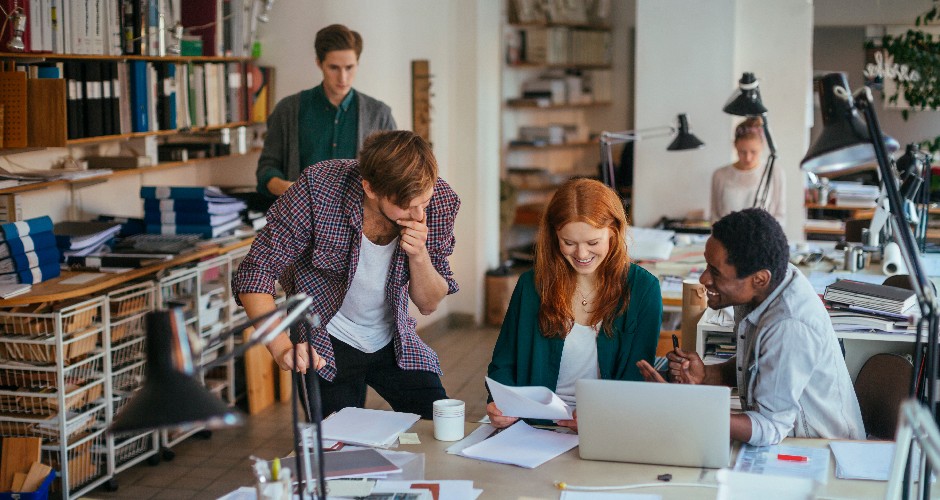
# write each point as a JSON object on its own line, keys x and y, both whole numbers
{"x": 52, "y": 290}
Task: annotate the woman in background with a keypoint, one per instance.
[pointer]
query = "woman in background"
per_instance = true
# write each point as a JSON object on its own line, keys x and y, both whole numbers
{"x": 734, "y": 186}
{"x": 585, "y": 311}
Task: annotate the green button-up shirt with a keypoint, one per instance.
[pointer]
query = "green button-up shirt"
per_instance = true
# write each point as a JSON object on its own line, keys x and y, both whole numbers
{"x": 327, "y": 132}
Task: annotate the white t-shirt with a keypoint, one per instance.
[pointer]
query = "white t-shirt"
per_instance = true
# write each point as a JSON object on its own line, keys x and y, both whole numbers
{"x": 733, "y": 190}
{"x": 364, "y": 321}
{"x": 578, "y": 361}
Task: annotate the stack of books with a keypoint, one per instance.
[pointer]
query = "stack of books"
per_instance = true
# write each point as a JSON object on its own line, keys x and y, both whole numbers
{"x": 81, "y": 238}
{"x": 858, "y": 306}
{"x": 28, "y": 252}
{"x": 205, "y": 211}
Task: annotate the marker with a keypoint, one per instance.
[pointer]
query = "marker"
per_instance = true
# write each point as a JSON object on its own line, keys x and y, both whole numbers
{"x": 792, "y": 458}
{"x": 675, "y": 342}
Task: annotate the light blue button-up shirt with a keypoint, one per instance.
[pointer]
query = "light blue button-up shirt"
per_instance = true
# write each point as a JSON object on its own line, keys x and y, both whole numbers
{"x": 791, "y": 373}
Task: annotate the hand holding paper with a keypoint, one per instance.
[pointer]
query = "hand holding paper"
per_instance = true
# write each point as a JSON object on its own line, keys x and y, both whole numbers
{"x": 528, "y": 402}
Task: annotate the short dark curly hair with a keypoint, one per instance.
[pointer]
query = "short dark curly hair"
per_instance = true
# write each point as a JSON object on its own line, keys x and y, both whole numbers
{"x": 754, "y": 240}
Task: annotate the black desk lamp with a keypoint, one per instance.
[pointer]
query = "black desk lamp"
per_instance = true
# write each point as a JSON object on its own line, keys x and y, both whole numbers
{"x": 845, "y": 142}
{"x": 746, "y": 101}
{"x": 684, "y": 141}
{"x": 171, "y": 397}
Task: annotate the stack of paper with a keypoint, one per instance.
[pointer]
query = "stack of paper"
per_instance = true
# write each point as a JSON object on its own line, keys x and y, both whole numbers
{"x": 376, "y": 428}
{"x": 863, "y": 460}
{"x": 782, "y": 460}
{"x": 519, "y": 444}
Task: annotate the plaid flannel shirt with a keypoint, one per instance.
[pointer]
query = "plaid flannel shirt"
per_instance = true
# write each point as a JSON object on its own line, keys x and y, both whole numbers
{"x": 311, "y": 243}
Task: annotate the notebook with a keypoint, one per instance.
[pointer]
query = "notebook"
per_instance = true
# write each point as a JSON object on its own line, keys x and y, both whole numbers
{"x": 650, "y": 423}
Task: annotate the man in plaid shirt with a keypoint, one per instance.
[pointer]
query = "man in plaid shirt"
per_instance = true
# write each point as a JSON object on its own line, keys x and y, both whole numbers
{"x": 361, "y": 237}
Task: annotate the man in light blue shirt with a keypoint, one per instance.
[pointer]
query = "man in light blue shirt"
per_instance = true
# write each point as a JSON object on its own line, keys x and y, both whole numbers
{"x": 789, "y": 370}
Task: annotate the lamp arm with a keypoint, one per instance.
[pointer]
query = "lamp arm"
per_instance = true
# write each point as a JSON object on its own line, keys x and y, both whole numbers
{"x": 915, "y": 424}
{"x": 926, "y": 297}
{"x": 267, "y": 327}
{"x": 636, "y": 135}
{"x": 763, "y": 187}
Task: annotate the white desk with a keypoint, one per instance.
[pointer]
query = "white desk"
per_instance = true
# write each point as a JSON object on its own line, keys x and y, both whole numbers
{"x": 510, "y": 482}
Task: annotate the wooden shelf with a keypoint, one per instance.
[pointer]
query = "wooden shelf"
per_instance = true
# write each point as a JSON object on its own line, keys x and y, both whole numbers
{"x": 53, "y": 290}
{"x": 513, "y": 105}
{"x": 120, "y": 137}
{"x": 35, "y": 186}
{"x": 43, "y": 56}
{"x": 567, "y": 145}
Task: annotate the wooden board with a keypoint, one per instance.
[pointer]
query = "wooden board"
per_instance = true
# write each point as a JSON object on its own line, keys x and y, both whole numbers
{"x": 19, "y": 479}
{"x": 37, "y": 473}
{"x": 421, "y": 98}
{"x": 46, "y": 121}
{"x": 19, "y": 453}
{"x": 13, "y": 99}
{"x": 259, "y": 376}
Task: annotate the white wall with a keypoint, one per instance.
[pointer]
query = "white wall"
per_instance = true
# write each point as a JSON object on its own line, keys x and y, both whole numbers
{"x": 461, "y": 41}
{"x": 684, "y": 64}
{"x": 677, "y": 72}
{"x": 774, "y": 40}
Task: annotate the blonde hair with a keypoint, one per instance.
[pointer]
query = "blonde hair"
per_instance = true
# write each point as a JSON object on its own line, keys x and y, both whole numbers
{"x": 751, "y": 128}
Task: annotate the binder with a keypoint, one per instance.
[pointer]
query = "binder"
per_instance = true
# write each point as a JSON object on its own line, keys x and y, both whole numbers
{"x": 211, "y": 193}
{"x": 28, "y": 260}
{"x": 188, "y": 218}
{"x": 75, "y": 108}
{"x": 204, "y": 18}
{"x": 76, "y": 235}
{"x": 193, "y": 206}
{"x": 140, "y": 115}
{"x": 14, "y": 230}
{"x": 206, "y": 231}
{"x": 92, "y": 103}
{"x": 107, "y": 114}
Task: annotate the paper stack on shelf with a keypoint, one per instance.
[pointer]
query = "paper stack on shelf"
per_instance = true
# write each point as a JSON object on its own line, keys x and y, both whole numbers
{"x": 867, "y": 297}
{"x": 205, "y": 211}
{"x": 84, "y": 237}
{"x": 854, "y": 194}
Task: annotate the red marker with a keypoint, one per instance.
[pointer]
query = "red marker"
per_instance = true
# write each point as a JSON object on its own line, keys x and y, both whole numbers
{"x": 792, "y": 458}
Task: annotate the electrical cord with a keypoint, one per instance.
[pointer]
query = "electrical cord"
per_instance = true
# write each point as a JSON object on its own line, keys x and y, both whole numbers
{"x": 561, "y": 485}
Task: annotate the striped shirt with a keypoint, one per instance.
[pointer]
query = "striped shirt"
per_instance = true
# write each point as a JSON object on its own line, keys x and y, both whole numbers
{"x": 311, "y": 243}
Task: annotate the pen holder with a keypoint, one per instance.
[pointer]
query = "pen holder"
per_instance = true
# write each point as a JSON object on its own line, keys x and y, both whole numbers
{"x": 275, "y": 490}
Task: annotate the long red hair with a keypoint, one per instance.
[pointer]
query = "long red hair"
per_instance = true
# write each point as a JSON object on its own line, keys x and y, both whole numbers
{"x": 591, "y": 202}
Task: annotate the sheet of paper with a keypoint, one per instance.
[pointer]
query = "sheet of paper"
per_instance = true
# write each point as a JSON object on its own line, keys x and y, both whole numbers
{"x": 81, "y": 278}
{"x": 367, "y": 427}
{"x": 519, "y": 444}
{"x": 863, "y": 460}
{"x": 450, "y": 489}
{"x": 528, "y": 402}
{"x": 479, "y": 434}
{"x": 764, "y": 460}
{"x": 588, "y": 495}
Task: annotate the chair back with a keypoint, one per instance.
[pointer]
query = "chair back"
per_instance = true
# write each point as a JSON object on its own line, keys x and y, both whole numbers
{"x": 882, "y": 385}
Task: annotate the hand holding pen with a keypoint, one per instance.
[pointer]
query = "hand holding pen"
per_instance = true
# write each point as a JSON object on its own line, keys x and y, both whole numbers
{"x": 685, "y": 367}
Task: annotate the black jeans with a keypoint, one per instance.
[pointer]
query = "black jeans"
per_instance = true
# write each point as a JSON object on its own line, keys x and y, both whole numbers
{"x": 409, "y": 391}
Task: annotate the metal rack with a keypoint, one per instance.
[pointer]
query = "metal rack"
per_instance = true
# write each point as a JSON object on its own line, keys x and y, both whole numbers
{"x": 53, "y": 385}
{"x": 127, "y": 309}
{"x": 214, "y": 315}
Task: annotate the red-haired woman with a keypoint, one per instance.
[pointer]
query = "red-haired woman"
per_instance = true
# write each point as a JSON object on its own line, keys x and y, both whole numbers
{"x": 585, "y": 311}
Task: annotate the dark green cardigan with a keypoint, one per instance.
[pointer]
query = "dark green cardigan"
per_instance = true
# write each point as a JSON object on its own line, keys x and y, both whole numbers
{"x": 525, "y": 357}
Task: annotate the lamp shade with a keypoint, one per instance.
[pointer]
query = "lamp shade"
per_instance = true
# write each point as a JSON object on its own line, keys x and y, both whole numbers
{"x": 844, "y": 141}
{"x": 684, "y": 139}
{"x": 171, "y": 396}
{"x": 746, "y": 101}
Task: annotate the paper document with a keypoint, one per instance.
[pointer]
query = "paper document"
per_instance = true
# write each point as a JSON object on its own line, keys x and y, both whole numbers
{"x": 782, "y": 460}
{"x": 528, "y": 402}
{"x": 366, "y": 427}
{"x": 479, "y": 434}
{"x": 863, "y": 460}
{"x": 519, "y": 444}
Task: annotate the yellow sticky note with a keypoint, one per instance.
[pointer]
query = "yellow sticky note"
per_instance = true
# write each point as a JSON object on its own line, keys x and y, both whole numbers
{"x": 408, "y": 438}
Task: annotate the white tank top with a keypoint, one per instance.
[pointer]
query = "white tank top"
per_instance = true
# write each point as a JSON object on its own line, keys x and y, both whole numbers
{"x": 364, "y": 321}
{"x": 578, "y": 361}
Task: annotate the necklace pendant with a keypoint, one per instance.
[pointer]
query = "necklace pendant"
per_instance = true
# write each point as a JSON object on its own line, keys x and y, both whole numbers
{"x": 583, "y": 302}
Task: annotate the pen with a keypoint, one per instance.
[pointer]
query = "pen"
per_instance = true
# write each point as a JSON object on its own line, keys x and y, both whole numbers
{"x": 792, "y": 458}
{"x": 675, "y": 342}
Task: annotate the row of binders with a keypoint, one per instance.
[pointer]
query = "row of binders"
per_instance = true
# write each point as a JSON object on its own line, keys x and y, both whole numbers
{"x": 113, "y": 97}
{"x": 141, "y": 27}
{"x": 867, "y": 307}
{"x": 28, "y": 252}
{"x": 205, "y": 211}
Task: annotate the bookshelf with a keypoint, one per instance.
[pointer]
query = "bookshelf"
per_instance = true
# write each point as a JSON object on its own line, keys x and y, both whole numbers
{"x": 556, "y": 98}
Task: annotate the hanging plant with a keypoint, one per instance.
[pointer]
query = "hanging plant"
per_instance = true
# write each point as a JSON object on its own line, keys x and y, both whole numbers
{"x": 915, "y": 68}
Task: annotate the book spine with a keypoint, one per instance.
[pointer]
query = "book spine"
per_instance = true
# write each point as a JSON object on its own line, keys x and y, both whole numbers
{"x": 19, "y": 229}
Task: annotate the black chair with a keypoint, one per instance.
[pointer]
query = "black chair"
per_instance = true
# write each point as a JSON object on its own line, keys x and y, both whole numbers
{"x": 881, "y": 386}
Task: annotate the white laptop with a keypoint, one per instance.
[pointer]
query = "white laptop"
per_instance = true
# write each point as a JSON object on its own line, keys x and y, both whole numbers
{"x": 654, "y": 423}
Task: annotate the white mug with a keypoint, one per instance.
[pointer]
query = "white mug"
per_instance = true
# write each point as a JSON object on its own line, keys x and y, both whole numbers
{"x": 448, "y": 419}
